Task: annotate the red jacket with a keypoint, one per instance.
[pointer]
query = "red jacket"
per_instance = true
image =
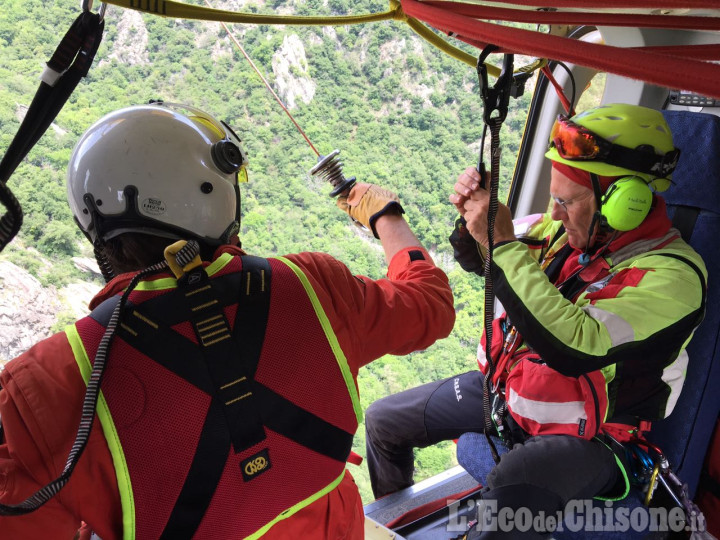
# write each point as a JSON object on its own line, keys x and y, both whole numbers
{"x": 42, "y": 392}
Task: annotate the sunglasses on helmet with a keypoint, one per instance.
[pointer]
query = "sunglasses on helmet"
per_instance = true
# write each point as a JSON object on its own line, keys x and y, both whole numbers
{"x": 577, "y": 143}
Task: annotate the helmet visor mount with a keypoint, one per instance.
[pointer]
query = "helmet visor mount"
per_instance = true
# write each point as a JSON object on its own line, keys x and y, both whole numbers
{"x": 574, "y": 142}
{"x": 227, "y": 154}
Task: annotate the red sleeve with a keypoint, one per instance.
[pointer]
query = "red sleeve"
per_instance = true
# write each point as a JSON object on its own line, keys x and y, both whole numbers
{"x": 40, "y": 404}
{"x": 408, "y": 311}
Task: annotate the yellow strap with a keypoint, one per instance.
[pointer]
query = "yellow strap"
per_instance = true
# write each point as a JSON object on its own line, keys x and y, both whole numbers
{"x": 168, "y": 8}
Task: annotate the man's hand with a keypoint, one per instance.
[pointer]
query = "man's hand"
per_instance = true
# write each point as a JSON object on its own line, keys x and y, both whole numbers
{"x": 473, "y": 203}
{"x": 367, "y": 202}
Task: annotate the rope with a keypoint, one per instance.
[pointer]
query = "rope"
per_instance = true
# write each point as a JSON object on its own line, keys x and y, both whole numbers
{"x": 267, "y": 84}
{"x": 168, "y": 8}
{"x": 659, "y": 69}
{"x": 559, "y": 90}
{"x": 578, "y": 18}
{"x": 588, "y": 4}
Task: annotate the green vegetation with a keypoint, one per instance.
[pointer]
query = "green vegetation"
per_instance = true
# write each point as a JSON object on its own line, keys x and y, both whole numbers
{"x": 409, "y": 120}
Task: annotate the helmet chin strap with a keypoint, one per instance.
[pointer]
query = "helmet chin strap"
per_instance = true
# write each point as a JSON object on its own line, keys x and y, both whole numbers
{"x": 598, "y": 219}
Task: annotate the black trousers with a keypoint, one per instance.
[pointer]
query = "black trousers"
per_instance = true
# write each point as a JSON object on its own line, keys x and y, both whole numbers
{"x": 567, "y": 467}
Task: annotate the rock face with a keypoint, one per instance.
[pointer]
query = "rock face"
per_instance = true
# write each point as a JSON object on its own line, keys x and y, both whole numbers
{"x": 132, "y": 39}
{"x": 290, "y": 66}
{"x": 28, "y": 310}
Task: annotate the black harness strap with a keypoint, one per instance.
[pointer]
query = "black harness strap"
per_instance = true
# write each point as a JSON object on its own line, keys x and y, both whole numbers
{"x": 202, "y": 479}
{"x": 252, "y": 314}
{"x": 70, "y": 62}
{"x": 232, "y": 362}
{"x": 234, "y": 414}
{"x": 684, "y": 220}
{"x": 297, "y": 424}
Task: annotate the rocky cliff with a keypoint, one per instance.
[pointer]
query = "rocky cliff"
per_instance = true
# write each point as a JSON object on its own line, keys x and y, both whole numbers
{"x": 30, "y": 312}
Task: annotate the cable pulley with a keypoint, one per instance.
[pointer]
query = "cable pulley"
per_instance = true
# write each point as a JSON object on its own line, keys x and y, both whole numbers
{"x": 330, "y": 168}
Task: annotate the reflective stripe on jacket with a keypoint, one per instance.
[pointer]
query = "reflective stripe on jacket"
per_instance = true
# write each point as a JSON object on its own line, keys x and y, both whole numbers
{"x": 596, "y": 344}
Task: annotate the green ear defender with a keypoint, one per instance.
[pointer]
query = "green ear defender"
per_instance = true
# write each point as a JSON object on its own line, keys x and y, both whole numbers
{"x": 626, "y": 203}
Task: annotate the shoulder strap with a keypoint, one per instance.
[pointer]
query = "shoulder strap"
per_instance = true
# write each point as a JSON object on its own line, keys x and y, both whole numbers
{"x": 684, "y": 220}
{"x": 231, "y": 369}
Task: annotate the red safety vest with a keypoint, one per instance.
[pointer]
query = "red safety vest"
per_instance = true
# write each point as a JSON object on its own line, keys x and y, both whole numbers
{"x": 227, "y": 403}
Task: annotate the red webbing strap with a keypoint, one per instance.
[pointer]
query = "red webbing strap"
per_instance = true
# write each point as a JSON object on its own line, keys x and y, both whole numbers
{"x": 655, "y": 68}
{"x": 710, "y": 51}
{"x": 355, "y": 458}
{"x": 587, "y": 4}
{"x": 577, "y": 18}
{"x": 429, "y": 508}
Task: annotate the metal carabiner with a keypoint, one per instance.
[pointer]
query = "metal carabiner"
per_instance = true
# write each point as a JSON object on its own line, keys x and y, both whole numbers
{"x": 497, "y": 97}
{"x": 86, "y": 5}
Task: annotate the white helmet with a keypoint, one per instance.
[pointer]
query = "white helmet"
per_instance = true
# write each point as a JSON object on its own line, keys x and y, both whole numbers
{"x": 154, "y": 169}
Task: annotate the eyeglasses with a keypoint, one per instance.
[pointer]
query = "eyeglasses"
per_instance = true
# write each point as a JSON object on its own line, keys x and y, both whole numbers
{"x": 576, "y": 143}
{"x": 565, "y": 203}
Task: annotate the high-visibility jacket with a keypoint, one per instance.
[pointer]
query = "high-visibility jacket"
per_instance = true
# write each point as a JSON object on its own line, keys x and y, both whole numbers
{"x": 580, "y": 348}
{"x": 42, "y": 393}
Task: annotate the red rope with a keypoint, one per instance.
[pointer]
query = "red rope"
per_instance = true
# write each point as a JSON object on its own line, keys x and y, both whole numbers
{"x": 576, "y": 18}
{"x": 267, "y": 84}
{"x": 660, "y": 69}
{"x": 558, "y": 89}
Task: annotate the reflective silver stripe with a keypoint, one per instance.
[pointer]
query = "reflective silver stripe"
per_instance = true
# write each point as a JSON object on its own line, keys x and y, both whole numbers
{"x": 544, "y": 412}
{"x": 640, "y": 247}
{"x": 619, "y": 329}
{"x": 674, "y": 377}
{"x": 481, "y": 356}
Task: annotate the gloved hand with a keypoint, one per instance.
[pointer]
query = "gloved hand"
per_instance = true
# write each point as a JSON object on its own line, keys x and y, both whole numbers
{"x": 367, "y": 202}
{"x": 466, "y": 250}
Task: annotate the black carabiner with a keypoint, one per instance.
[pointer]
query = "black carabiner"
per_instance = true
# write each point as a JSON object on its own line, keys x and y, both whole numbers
{"x": 496, "y": 98}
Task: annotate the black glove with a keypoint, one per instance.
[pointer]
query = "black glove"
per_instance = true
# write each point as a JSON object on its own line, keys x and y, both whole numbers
{"x": 466, "y": 250}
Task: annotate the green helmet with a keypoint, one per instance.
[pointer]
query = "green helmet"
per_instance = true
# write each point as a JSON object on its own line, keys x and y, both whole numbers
{"x": 630, "y": 126}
